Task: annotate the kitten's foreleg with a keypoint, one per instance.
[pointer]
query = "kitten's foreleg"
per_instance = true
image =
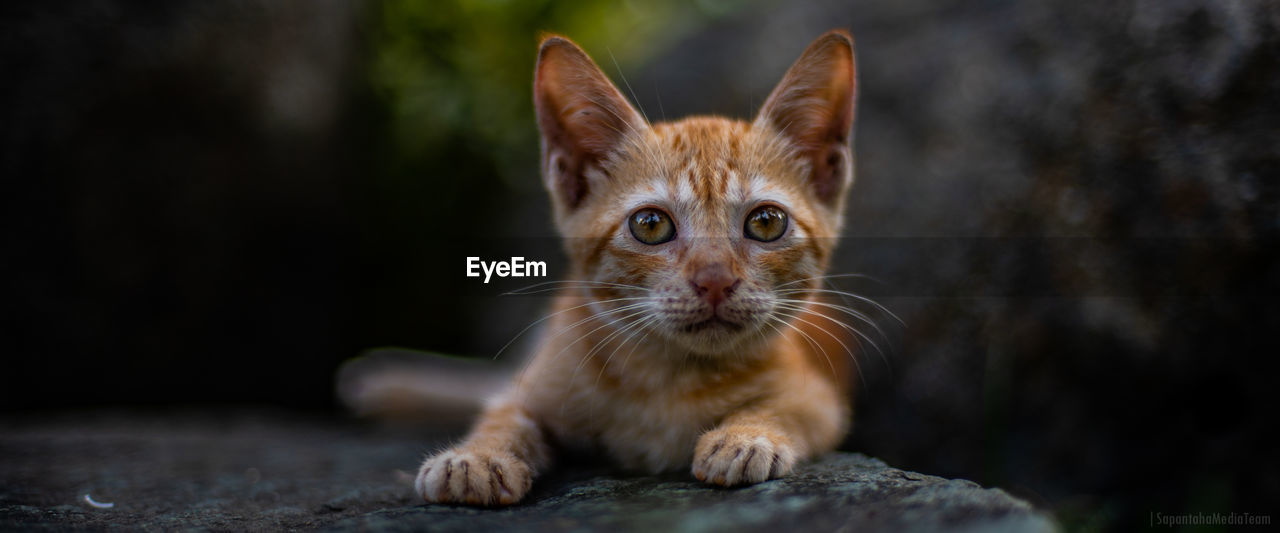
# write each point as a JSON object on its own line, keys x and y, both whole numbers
{"x": 495, "y": 465}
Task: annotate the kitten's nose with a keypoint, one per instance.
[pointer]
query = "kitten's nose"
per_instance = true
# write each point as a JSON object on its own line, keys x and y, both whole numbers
{"x": 714, "y": 283}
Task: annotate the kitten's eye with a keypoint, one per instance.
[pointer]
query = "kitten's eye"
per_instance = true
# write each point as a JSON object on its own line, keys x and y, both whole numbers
{"x": 652, "y": 226}
{"x": 766, "y": 223}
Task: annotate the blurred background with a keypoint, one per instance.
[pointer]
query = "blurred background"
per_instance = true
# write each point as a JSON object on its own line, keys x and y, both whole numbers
{"x": 1073, "y": 207}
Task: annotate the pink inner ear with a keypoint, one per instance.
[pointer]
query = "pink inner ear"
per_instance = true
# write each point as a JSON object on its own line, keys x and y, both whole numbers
{"x": 582, "y": 116}
{"x": 814, "y": 101}
{"x": 813, "y": 107}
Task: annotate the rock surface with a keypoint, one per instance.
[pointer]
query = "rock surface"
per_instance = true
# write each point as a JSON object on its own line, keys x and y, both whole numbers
{"x": 272, "y": 472}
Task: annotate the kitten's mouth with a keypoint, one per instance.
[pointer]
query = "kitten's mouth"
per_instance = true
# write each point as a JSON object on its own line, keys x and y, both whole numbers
{"x": 713, "y": 323}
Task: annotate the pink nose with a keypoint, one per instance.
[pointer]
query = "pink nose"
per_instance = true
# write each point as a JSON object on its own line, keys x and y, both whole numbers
{"x": 714, "y": 283}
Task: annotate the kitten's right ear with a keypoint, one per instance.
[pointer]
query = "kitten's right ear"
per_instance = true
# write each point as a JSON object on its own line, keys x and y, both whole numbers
{"x": 813, "y": 107}
{"x": 582, "y": 116}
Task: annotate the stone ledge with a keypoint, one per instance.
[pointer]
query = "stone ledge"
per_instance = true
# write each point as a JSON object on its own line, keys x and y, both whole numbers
{"x": 841, "y": 491}
{"x": 269, "y": 472}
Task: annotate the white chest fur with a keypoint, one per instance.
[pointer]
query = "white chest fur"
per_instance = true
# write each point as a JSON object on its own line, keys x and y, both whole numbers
{"x": 651, "y": 425}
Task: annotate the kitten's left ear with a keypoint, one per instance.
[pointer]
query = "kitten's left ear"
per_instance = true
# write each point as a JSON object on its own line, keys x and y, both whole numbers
{"x": 813, "y": 107}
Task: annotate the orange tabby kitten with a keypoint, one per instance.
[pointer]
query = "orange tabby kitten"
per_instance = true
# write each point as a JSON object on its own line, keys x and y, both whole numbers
{"x": 698, "y": 245}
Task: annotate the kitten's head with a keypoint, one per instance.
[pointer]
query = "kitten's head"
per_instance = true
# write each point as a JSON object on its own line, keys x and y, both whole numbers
{"x": 699, "y": 231}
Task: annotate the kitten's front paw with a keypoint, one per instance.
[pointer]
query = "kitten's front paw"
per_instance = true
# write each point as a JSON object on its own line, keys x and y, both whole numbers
{"x": 741, "y": 455}
{"x": 473, "y": 477}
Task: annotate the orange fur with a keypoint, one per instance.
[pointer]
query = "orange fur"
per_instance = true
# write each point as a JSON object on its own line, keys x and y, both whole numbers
{"x": 702, "y": 352}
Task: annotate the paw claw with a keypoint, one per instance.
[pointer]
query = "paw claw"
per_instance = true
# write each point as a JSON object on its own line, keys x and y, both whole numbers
{"x": 497, "y": 478}
{"x": 741, "y": 455}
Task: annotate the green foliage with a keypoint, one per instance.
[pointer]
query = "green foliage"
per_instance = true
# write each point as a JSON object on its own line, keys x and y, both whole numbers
{"x": 459, "y": 71}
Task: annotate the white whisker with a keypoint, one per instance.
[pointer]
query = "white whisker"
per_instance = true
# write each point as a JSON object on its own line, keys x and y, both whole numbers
{"x": 847, "y": 310}
{"x": 852, "y": 357}
{"x": 859, "y": 297}
{"x": 603, "y": 342}
{"x": 830, "y": 277}
{"x": 583, "y": 284}
{"x": 540, "y": 320}
{"x": 816, "y": 344}
{"x": 858, "y": 335}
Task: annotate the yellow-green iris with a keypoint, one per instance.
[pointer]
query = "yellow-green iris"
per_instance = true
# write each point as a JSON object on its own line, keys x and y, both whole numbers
{"x": 766, "y": 223}
{"x": 652, "y": 226}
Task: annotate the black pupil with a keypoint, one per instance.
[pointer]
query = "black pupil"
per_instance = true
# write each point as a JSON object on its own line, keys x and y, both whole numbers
{"x": 649, "y": 220}
{"x": 766, "y": 217}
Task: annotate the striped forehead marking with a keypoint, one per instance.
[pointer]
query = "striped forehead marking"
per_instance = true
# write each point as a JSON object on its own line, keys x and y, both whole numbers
{"x": 690, "y": 189}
